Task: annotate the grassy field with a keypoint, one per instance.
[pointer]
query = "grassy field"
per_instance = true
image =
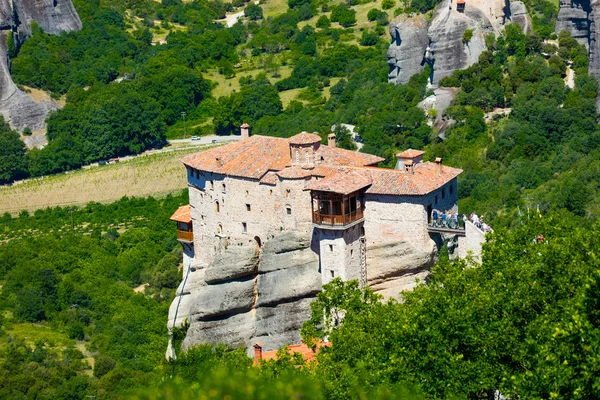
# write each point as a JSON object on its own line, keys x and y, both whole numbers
{"x": 156, "y": 175}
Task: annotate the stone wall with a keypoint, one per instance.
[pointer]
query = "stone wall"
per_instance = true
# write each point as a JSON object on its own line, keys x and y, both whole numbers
{"x": 339, "y": 253}
{"x": 471, "y": 243}
{"x": 272, "y": 209}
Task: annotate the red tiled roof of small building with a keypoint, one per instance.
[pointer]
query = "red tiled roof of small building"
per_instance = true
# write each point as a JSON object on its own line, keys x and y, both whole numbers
{"x": 410, "y": 153}
{"x": 304, "y": 138}
{"x": 460, "y": 2}
{"x": 294, "y": 173}
{"x": 182, "y": 214}
{"x": 244, "y": 125}
{"x": 426, "y": 179}
{"x": 345, "y": 181}
{"x": 303, "y": 349}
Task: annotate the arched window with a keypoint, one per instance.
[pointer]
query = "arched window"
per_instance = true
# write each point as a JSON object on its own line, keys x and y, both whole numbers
{"x": 220, "y": 229}
{"x": 224, "y": 187}
{"x": 217, "y": 207}
{"x": 297, "y": 156}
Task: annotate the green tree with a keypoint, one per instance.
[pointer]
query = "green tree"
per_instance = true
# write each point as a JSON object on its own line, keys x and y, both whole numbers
{"x": 12, "y": 154}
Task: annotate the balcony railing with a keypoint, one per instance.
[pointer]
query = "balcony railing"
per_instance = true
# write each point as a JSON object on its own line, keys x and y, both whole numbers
{"x": 185, "y": 236}
{"x": 337, "y": 220}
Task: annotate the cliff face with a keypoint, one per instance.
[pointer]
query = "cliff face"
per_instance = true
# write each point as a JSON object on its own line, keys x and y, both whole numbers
{"x": 248, "y": 294}
{"x": 53, "y": 16}
{"x": 581, "y": 19}
{"x": 440, "y": 43}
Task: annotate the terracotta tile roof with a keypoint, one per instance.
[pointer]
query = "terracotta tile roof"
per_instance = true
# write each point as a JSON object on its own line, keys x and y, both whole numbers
{"x": 303, "y": 349}
{"x": 255, "y": 156}
{"x": 305, "y": 138}
{"x": 250, "y": 158}
{"x": 337, "y": 156}
{"x": 425, "y": 180}
{"x": 410, "y": 153}
{"x": 182, "y": 214}
{"x": 245, "y": 125}
{"x": 270, "y": 178}
{"x": 294, "y": 173}
{"x": 344, "y": 181}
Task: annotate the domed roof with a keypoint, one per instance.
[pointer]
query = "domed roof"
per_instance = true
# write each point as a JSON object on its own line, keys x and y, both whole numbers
{"x": 305, "y": 138}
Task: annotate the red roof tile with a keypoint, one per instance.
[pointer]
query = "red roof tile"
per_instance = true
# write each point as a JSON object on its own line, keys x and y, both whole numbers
{"x": 255, "y": 156}
{"x": 270, "y": 178}
{"x": 305, "y": 138}
{"x": 337, "y": 156}
{"x": 425, "y": 179}
{"x": 344, "y": 181}
{"x": 410, "y": 153}
{"x": 303, "y": 349}
{"x": 182, "y": 214}
{"x": 294, "y": 173}
{"x": 250, "y": 158}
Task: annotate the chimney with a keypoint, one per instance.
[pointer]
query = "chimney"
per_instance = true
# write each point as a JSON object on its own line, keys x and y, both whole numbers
{"x": 245, "y": 131}
{"x": 409, "y": 167}
{"x": 257, "y": 352}
{"x": 331, "y": 140}
{"x": 438, "y": 161}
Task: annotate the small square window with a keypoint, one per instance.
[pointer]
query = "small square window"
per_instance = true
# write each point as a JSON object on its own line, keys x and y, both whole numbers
{"x": 332, "y": 274}
{"x": 248, "y": 207}
{"x": 289, "y": 211}
{"x": 330, "y": 247}
{"x": 244, "y": 227}
{"x": 271, "y": 192}
{"x": 351, "y": 252}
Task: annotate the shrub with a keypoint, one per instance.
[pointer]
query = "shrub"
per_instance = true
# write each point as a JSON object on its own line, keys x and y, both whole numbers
{"x": 345, "y": 16}
{"x": 323, "y": 22}
{"x": 467, "y": 36}
{"x": 387, "y": 4}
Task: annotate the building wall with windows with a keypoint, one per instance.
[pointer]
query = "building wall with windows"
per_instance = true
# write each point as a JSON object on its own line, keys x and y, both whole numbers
{"x": 229, "y": 210}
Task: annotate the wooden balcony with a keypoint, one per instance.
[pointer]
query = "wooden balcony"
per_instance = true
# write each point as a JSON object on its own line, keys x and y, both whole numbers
{"x": 337, "y": 221}
{"x": 185, "y": 236}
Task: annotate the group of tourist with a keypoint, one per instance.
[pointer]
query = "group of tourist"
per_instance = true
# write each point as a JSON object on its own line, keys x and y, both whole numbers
{"x": 478, "y": 222}
{"x": 443, "y": 219}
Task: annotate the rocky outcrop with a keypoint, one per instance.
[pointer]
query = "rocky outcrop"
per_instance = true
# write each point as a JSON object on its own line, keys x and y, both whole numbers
{"x": 407, "y": 50}
{"x": 247, "y": 294}
{"x": 394, "y": 267}
{"x": 53, "y": 16}
{"x": 575, "y": 17}
{"x": 440, "y": 43}
{"x": 580, "y": 18}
